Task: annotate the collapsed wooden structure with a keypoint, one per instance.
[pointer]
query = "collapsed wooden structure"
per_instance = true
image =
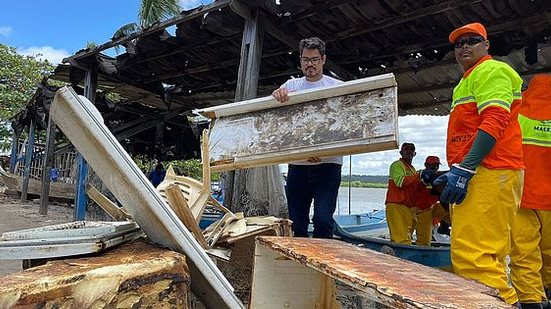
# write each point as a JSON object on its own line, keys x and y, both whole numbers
{"x": 232, "y": 50}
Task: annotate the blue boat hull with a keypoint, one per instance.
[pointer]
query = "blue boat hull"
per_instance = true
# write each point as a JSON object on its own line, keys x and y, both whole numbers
{"x": 351, "y": 227}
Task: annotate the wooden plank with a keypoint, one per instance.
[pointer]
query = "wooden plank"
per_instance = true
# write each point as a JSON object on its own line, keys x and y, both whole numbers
{"x": 133, "y": 275}
{"x": 215, "y": 230}
{"x": 283, "y": 283}
{"x": 385, "y": 279}
{"x": 178, "y": 203}
{"x": 312, "y": 125}
{"x": 46, "y": 167}
{"x": 28, "y": 160}
{"x": 82, "y": 124}
{"x": 114, "y": 211}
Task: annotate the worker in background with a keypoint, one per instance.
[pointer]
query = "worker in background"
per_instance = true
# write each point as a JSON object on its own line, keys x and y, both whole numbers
{"x": 403, "y": 182}
{"x": 54, "y": 173}
{"x": 157, "y": 175}
{"x": 531, "y": 252}
{"x": 315, "y": 179}
{"x": 484, "y": 151}
{"x": 427, "y": 207}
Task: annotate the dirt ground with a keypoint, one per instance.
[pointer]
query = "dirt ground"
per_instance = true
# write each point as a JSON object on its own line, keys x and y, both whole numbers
{"x": 17, "y": 215}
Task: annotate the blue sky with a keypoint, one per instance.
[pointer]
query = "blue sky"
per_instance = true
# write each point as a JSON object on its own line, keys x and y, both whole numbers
{"x": 59, "y": 28}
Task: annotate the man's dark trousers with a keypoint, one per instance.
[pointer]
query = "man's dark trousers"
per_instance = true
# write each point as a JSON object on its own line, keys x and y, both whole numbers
{"x": 318, "y": 182}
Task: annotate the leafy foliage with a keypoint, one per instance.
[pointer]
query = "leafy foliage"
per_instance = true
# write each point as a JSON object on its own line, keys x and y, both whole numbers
{"x": 192, "y": 168}
{"x": 19, "y": 76}
{"x": 150, "y": 12}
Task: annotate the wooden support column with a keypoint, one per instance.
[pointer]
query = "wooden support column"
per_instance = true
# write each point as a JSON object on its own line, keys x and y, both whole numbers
{"x": 13, "y": 157}
{"x": 251, "y": 52}
{"x": 247, "y": 84}
{"x": 47, "y": 165}
{"x": 90, "y": 86}
{"x": 28, "y": 161}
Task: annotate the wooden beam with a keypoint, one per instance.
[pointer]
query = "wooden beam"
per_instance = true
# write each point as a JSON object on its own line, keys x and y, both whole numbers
{"x": 178, "y": 203}
{"x": 28, "y": 161}
{"x": 196, "y": 13}
{"x": 47, "y": 164}
{"x": 114, "y": 211}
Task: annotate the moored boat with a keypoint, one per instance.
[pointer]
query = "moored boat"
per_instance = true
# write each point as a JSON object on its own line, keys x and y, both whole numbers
{"x": 368, "y": 230}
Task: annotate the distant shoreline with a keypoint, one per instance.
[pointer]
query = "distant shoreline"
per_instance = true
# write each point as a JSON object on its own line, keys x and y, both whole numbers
{"x": 362, "y": 184}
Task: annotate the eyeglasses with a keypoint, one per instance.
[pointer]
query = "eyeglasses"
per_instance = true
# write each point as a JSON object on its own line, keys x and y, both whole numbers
{"x": 472, "y": 40}
{"x": 305, "y": 60}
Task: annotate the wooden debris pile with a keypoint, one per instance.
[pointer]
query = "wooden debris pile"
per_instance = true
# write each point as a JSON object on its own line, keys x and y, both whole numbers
{"x": 191, "y": 199}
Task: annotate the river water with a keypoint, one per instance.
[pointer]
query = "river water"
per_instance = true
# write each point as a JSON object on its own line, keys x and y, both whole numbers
{"x": 362, "y": 200}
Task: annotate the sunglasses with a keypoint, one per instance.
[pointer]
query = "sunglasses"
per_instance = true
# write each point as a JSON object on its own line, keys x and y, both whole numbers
{"x": 472, "y": 40}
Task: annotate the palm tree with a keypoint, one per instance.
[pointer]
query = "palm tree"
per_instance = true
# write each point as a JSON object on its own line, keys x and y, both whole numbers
{"x": 150, "y": 12}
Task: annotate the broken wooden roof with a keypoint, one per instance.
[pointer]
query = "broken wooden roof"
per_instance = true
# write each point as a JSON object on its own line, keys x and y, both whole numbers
{"x": 196, "y": 64}
{"x": 192, "y": 61}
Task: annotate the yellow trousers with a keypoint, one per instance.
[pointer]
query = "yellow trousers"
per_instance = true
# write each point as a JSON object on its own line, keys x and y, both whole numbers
{"x": 531, "y": 254}
{"x": 481, "y": 228}
{"x": 400, "y": 220}
{"x": 424, "y": 224}
{"x": 423, "y": 228}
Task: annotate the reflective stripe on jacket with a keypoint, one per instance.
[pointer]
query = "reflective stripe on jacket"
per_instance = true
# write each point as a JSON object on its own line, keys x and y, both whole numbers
{"x": 402, "y": 184}
{"x": 535, "y": 121}
{"x": 488, "y": 98}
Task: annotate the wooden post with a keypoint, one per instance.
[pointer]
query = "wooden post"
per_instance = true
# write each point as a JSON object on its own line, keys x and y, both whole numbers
{"x": 247, "y": 84}
{"x": 28, "y": 159}
{"x": 90, "y": 86}
{"x": 46, "y": 167}
{"x": 13, "y": 158}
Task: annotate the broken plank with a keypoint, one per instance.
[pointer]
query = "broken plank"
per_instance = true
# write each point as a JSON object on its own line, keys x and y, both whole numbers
{"x": 179, "y": 205}
{"x": 114, "y": 211}
{"x": 383, "y": 278}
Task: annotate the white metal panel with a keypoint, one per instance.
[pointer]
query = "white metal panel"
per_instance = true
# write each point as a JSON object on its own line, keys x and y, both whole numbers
{"x": 77, "y": 117}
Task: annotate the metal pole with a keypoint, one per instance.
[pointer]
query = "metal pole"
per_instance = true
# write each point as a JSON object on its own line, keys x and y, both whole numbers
{"x": 350, "y": 185}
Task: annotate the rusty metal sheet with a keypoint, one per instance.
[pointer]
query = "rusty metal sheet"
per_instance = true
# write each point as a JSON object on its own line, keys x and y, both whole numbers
{"x": 388, "y": 280}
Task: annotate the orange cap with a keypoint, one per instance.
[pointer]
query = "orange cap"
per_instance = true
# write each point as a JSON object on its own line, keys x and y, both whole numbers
{"x": 474, "y": 28}
{"x": 432, "y": 160}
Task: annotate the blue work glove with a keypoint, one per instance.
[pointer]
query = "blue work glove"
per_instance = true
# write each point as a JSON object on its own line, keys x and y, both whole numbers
{"x": 456, "y": 182}
{"x": 427, "y": 176}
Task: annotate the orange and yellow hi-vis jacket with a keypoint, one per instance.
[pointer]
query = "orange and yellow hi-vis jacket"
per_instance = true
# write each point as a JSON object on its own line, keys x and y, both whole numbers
{"x": 488, "y": 98}
{"x": 535, "y": 122}
{"x": 403, "y": 182}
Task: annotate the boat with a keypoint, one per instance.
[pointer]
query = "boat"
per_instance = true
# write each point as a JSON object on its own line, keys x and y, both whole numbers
{"x": 60, "y": 190}
{"x": 369, "y": 231}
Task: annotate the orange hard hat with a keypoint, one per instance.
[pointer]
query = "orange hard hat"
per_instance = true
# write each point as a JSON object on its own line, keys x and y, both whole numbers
{"x": 474, "y": 28}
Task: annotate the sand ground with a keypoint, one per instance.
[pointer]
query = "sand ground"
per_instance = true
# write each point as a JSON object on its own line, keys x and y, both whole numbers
{"x": 17, "y": 215}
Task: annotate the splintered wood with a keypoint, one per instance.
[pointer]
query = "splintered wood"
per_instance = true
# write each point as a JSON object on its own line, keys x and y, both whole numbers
{"x": 133, "y": 275}
{"x": 293, "y": 273}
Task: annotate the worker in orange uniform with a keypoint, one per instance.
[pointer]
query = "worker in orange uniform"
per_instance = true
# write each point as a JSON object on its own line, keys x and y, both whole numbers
{"x": 531, "y": 254}
{"x": 484, "y": 151}
{"x": 427, "y": 207}
{"x": 403, "y": 181}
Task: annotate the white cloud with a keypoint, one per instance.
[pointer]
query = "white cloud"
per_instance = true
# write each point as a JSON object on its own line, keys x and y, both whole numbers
{"x": 49, "y": 53}
{"x": 5, "y": 31}
{"x": 191, "y": 4}
{"x": 428, "y": 133}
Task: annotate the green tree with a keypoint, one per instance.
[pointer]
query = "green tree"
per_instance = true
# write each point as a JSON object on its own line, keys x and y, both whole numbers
{"x": 150, "y": 12}
{"x": 19, "y": 76}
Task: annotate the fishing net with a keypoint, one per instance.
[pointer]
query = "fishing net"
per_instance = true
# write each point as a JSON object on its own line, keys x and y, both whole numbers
{"x": 256, "y": 191}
